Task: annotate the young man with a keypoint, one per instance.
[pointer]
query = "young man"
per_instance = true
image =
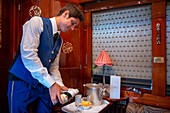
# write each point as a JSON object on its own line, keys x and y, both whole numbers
{"x": 34, "y": 78}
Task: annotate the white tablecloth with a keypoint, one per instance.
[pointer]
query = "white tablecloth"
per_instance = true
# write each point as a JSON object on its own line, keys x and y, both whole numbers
{"x": 71, "y": 108}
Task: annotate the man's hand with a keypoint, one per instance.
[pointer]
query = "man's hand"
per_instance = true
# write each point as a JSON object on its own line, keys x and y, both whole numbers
{"x": 55, "y": 91}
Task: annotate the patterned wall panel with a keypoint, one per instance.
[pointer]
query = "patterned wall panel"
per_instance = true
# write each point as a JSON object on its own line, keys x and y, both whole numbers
{"x": 126, "y": 35}
{"x": 168, "y": 41}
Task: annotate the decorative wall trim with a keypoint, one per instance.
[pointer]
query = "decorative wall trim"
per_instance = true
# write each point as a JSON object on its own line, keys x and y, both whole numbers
{"x": 67, "y": 48}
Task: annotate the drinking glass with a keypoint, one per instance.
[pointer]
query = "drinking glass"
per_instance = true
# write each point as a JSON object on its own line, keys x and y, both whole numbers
{"x": 78, "y": 101}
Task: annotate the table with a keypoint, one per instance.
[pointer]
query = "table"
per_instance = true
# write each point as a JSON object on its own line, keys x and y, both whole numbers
{"x": 118, "y": 105}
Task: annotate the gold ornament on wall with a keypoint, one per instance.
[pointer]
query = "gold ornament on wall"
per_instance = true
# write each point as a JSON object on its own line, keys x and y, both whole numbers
{"x": 35, "y": 10}
{"x": 67, "y": 48}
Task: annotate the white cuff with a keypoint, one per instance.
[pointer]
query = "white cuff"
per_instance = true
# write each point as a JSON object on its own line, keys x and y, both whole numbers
{"x": 59, "y": 83}
{"x": 48, "y": 81}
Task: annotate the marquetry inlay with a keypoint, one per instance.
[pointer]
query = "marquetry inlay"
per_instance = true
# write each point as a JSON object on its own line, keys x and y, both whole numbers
{"x": 67, "y": 47}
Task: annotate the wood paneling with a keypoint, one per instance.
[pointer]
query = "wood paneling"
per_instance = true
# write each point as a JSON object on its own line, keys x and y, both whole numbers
{"x": 159, "y": 69}
{"x": 107, "y": 4}
{"x": 75, "y": 1}
{"x": 148, "y": 99}
{"x": 68, "y": 1}
{"x": 71, "y": 77}
{"x": 5, "y": 55}
{"x": 88, "y": 47}
{"x": 70, "y": 62}
{"x": 84, "y": 1}
{"x": 82, "y": 36}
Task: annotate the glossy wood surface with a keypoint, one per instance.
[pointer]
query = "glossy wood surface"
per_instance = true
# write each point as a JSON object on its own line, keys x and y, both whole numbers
{"x": 88, "y": 50}
{"x": 75, "y": 1}
{"x": 148, "y": 99}
{"x": 70, "y": 62}
{"x": 84, "y": 1}
{"x": 159, "y": 69}
{"x": 5, "y": 53}
{"x": 110, "y": 4}
{"x": 88, "y": 55}
{"x": 115, "y": 100}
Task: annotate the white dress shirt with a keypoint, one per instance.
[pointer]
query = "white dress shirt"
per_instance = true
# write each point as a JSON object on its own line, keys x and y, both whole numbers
{"x": 32, "y": 30}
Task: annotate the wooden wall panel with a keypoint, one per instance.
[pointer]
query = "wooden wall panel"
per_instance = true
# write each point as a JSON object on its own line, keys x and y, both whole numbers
{"x": 5, "y": 53}
{"x": 88, "y": 48}
{"x": 159, "y": 69}
{"x": 83, "y": 1}
{"x": 82, "y": 36}
{"x": 71, "y": 77}
{"x": 110, "y": 4}
{"x": 148, "y": 99}
{"x": 70, "y": 62}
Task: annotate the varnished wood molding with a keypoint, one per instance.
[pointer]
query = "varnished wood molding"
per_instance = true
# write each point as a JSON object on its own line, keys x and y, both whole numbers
{"x": 148, "y": 99}
{"x": 110, "y": 4}
{"x": 159, "y": 50}
{"x": 69, "y": 1}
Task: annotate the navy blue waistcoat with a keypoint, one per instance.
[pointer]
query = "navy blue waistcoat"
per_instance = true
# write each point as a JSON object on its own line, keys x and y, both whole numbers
{"x": 47, "y": 52}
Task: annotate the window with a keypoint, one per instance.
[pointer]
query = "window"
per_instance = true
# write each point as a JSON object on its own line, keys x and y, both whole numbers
{"x": 126, "y": 35}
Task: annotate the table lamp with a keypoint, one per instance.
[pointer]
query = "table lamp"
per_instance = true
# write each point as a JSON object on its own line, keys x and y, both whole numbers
{"x": 102, "y": 60}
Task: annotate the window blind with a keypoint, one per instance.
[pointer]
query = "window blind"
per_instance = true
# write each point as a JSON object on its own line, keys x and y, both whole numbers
{"x": 126, "y": 35}
{"x": 168, "y": 48}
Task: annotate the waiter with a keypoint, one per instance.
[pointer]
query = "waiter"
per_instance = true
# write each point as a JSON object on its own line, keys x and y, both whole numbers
{"x": 34, "y": 78}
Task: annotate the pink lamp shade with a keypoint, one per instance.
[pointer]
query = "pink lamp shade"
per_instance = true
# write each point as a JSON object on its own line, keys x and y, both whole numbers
{"x": 103, "y": 58}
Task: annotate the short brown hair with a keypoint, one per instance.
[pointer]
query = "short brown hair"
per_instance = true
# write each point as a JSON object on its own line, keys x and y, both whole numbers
{"x": 74, "y": 11}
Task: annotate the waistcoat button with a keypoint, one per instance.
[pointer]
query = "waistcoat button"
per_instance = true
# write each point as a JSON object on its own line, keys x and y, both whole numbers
{"x": 52, "y": 52}
{"x": 49, "y": 61}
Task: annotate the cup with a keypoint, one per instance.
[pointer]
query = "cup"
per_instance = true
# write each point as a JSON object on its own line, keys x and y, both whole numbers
{"x": 78, "y": 101}
{"x": 78, "y": 98}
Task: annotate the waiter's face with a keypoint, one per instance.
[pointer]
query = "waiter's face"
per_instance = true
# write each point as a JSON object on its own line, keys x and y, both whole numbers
{"x": 68, "y": 23}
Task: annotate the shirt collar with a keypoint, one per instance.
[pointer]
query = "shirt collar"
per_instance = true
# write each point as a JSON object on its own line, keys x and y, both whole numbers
{"x": 54, "y": 25}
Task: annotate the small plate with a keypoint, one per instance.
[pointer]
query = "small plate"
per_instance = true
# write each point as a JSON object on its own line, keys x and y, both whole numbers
{"x": 85, "y": 107}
